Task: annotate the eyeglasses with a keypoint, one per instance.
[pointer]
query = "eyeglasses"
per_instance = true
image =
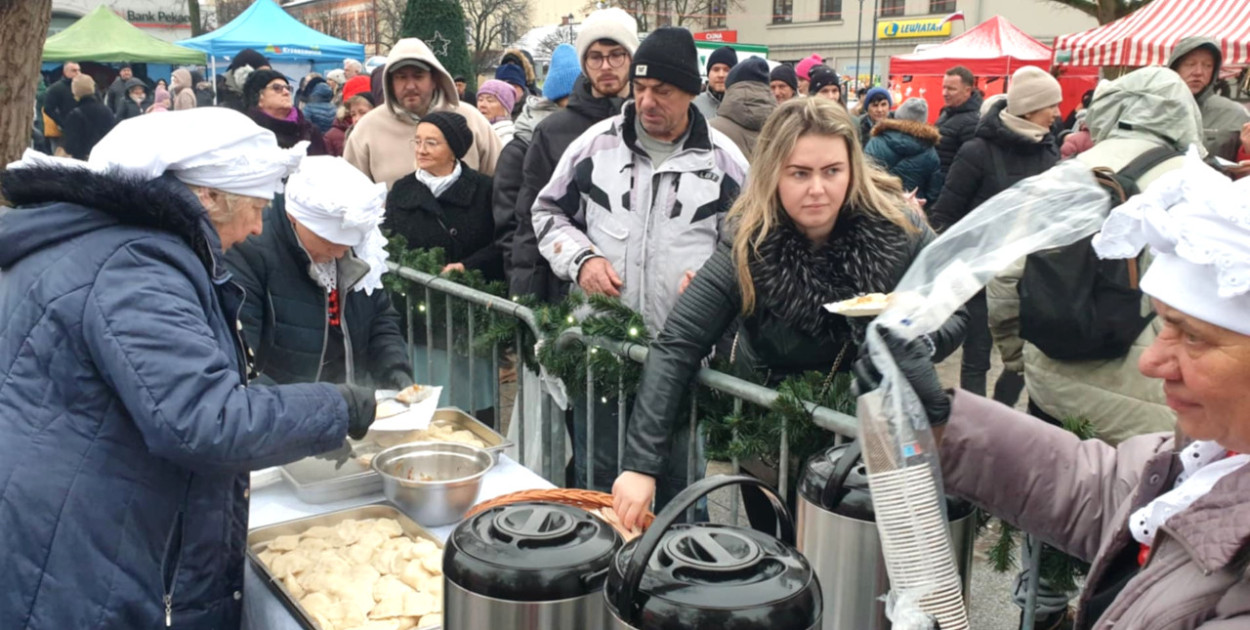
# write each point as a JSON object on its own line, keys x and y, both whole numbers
{"x": 615, "y": 60}
{"x": 280, "y": 88}
{"x": 430, "y": 145}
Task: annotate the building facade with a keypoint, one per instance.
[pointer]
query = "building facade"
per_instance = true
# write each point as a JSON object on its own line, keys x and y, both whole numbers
{"x": 359, "y": 21}
{"x": 166, "y": 19}
{"x": 794, "y": 29}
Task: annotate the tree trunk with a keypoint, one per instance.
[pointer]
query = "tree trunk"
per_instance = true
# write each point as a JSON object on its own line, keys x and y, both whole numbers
{"x": 193, "y": 10}
{"x": 23, "y": 28}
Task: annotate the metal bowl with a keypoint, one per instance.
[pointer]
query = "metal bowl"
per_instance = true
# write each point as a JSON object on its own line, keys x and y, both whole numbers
{"x": 435, "y": 483}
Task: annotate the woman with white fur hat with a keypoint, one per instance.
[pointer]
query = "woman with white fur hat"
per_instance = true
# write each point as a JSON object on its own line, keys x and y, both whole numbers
{"x": 1164, "y": 519}
{"x": 127, "y": 420}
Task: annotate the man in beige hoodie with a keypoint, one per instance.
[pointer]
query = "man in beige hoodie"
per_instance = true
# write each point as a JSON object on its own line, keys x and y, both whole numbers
{"x": 415, "y": 83}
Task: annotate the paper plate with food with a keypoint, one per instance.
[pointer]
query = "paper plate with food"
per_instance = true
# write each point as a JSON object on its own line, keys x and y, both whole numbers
{"x": 870, "y": 305}
{"x": 409, "y": 409}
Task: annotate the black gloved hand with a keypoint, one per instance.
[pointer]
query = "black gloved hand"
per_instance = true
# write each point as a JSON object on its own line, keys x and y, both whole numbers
{"x": 361, "y": 408}
{"x": 914, "y": 360}
{"x": 399, "y": 379}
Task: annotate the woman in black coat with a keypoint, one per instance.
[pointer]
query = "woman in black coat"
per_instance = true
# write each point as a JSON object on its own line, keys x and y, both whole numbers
{"x": 822, "y": 225}
{"x": 88, "y": 122}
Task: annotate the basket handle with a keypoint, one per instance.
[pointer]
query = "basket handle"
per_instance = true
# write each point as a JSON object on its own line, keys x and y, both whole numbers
{"x": 675, "y": 510}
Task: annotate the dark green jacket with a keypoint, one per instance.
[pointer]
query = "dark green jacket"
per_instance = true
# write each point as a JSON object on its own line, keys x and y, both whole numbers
{"x": 788, "y": 333}
{"x": 285, "y": 314}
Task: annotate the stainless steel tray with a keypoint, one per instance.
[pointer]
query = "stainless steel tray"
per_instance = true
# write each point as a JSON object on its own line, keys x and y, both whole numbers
{"x": 259, "y": 538}
{"x": 319, "y": 480}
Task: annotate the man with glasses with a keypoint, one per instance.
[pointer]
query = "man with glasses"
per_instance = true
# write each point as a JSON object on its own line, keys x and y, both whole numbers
{"x": 634, "y": 209}
{"x": 605, "y": 44}
{"x": 415, "y": 84}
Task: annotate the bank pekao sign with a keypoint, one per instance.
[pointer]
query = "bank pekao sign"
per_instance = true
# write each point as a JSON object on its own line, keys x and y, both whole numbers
{"x": 156, "y": 18}
{"x": 922, "y": 27}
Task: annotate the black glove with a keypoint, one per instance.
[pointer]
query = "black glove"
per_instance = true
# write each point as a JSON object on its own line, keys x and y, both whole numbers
{"x": 361, "y": 408}
{"x": 399, "y": 379}
{"x": 914, "y": 360}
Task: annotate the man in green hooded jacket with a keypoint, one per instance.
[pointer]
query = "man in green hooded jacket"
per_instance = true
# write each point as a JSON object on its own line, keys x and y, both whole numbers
{"x": 1197, "y": 60}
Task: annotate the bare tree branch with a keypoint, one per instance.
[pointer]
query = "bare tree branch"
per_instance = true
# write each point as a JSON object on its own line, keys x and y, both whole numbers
{"x": 493, "y": 24}
{"x": 1104, "y": 10}
{"x": 390, "y": 18}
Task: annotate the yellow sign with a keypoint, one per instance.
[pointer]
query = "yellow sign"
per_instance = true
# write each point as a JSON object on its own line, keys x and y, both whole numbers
{"x": 924, "y": 27}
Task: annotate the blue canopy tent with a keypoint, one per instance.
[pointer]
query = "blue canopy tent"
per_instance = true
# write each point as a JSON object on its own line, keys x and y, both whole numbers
{"x": 294, "y": 48}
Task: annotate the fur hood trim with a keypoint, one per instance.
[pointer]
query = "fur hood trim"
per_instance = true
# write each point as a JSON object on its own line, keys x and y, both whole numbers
{"x": 925, "y": 133}
{"x": 863, "y": 255}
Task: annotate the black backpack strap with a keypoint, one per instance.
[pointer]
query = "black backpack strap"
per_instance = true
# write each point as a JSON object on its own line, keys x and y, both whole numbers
{"x": 1143, "y": 163}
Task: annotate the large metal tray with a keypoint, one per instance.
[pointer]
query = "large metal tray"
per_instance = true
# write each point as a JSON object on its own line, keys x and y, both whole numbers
{"x": 318, "y": 480}
{"x": 259, "y": 538}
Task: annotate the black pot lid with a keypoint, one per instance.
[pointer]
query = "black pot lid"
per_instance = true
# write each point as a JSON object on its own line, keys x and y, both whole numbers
{"x": 533, "y": 551}
{"x": 854, "y": 499}
{"x": 718, "y": 577}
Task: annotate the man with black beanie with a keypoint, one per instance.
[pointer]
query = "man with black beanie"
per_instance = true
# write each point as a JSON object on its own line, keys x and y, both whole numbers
{"x": 636, "y": 205}
{"x": 784, "y": 83}
{"x": 719, "y": 63}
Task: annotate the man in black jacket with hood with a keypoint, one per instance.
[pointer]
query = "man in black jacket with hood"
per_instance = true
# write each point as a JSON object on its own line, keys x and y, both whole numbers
{"x": 958, "y": 121}
{"x": 605, "y": 45}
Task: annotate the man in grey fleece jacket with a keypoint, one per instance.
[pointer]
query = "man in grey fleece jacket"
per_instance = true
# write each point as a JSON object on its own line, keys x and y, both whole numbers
{"x": 1197, "y": 60}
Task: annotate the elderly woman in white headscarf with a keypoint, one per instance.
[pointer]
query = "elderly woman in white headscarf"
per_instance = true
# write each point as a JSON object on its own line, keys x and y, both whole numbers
{"x": 1164, "y": 519}
{"x": 315, "y": 307}
{"x": 127, "y": 420}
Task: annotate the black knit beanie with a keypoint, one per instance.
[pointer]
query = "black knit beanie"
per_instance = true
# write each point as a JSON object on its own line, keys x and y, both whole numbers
{"x": 785, "y": 74}
{"x": 455, "y": 129}
{"x": 822, "y": 77}
{"x": 668, "y": 55}
{"x": 725, "y": 55}
{"x": 257, "y": 82}
{"x": 751, "y": 69}
{"x": 247, "y": 57}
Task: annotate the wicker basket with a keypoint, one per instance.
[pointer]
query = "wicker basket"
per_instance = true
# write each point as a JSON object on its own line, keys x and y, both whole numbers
{"x": 597, "y": 503}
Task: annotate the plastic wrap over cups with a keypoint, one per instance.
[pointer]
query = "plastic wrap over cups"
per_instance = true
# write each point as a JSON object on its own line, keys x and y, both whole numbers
{"x": 1056, "y": 208}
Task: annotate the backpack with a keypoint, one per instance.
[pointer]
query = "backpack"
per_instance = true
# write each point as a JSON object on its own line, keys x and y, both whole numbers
{"x": 1075, "y": 306}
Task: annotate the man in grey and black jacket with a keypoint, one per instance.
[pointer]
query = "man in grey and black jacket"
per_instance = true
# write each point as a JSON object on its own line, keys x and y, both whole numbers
{"x": 1198, "y": 61}
{"x": 634, "y": 209}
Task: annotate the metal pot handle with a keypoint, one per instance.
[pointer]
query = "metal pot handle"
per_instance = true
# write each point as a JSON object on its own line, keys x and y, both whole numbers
{"x": 829, "y": 498}
{"x": 676, "y": 508}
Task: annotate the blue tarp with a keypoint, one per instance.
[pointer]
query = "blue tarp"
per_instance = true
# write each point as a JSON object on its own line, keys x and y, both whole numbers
{"x": 269, "y": 30}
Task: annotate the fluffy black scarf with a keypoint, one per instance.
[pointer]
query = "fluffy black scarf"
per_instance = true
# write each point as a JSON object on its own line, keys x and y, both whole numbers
{"x": 863, "y": 255}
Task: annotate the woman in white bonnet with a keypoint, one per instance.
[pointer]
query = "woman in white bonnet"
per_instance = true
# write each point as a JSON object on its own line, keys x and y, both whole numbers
{"x": 127, "y": 420}
{"x": 1164, "y": 519}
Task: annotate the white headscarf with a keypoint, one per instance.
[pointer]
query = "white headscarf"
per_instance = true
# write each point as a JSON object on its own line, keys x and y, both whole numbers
{"x": 340, "y": 204}
{"x": 1197, "y": 224}
{"x": 206, "y": 146}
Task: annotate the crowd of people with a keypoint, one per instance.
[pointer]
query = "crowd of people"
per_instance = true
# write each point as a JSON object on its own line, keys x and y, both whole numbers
{"x": 180, "y": 313}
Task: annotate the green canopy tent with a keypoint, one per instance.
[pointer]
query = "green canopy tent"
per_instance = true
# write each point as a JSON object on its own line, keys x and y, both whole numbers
{"x": 103, "y": 36}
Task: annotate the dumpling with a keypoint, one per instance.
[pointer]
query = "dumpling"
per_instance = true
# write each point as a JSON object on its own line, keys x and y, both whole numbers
{"x": 291, "y": 563}
{"x": 388, "y": 527}
{"x": 313, "y": 544}
{"x": 431, "y": 620}
{"x": 292, "y": 586}
{"x": 414, "y": 574}
{"x": 284, "y": 543}
{"x": 318, "y": 531}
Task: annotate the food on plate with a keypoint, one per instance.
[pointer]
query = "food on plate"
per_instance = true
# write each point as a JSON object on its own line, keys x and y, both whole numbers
{"x": 360, "y": 575}
{"x": 862, "y": 305}
{"x": 414, "y": 394}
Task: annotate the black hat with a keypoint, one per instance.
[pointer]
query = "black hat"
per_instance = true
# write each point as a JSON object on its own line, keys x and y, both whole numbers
{"x": 785, "y": 74}
{"x": 752, "y": 69}
{"x": 257, "y": 82}
{"x": 725, "y": 55}
{"x": 822, "y": 77}
{"x": 668, "y": 55}
{"x": 248, "y": 57}
{"x": 455, "y": 129}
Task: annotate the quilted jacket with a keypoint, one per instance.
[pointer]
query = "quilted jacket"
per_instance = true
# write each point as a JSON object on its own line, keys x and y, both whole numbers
{"x": 906, "y": 149}
{"x": 127, "y": 425}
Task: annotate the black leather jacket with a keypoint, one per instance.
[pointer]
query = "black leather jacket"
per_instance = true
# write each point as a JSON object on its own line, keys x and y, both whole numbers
{"x": 787, "y": 334}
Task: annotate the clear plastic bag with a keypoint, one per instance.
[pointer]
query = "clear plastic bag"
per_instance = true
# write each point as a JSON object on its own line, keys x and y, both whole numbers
{"x": 1056, "y": 208}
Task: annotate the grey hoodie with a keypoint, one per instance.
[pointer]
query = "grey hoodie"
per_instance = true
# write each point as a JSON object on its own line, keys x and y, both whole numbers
{"x": 1222, "y": 118}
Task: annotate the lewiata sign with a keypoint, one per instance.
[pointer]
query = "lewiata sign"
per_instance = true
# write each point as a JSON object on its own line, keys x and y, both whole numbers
{"x": 926, "y": 27}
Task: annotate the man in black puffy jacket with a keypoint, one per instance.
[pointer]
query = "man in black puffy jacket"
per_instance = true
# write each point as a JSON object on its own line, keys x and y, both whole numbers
{"x": 958, "y": 120}
{"x": 605, "y": 46}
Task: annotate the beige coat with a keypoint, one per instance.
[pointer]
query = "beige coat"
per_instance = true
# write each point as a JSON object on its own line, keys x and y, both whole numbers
{"x": 380, "y": 142}
{"x": 183, "y": 91}
{"x": 1078, "y": 496}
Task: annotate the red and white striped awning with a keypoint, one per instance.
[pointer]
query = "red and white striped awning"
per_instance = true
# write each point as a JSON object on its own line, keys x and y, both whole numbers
{"x": 1147, "y": 36}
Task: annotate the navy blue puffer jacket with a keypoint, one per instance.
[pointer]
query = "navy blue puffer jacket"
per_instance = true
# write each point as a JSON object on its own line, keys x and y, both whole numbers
{"x": 907, "y": 149}
{"x": 126, "y": 423}
{"x": 319, "y": 110}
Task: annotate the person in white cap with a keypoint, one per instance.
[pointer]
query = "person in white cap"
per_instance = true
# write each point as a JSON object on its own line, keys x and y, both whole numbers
{"x": 127, "y": 420}
{"x": 1165, "y": 517}
{"x": 315, "y": 309}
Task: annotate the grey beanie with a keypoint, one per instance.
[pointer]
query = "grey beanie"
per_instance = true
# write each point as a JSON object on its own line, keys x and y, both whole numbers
{"x": 916, "y": 109}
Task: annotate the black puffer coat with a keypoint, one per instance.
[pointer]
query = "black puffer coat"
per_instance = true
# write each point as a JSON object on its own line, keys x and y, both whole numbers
{"x": 461, "y": 221}
{"x": 957, "y": 126}
{"x": 789, "y": 332}
{"x": 85, "y": 125}
{"x": 286, "y": 321}
{"x": 975, "y": 176}
{"x": 531, "y": 275}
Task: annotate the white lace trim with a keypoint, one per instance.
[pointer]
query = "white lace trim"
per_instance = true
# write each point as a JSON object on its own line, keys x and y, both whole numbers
{"x": 1204, "y": 464}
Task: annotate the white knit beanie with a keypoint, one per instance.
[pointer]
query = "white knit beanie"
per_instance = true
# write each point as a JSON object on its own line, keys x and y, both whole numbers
{"x": 614, "y": 24}
{"x": 1032, "y": 89}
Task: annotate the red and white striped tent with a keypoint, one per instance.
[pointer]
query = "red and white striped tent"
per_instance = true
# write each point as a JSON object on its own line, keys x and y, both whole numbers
{"x": 1147, "y": 36}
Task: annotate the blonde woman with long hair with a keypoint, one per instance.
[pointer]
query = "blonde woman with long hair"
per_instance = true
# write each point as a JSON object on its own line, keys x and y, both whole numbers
{"x": 817, "y": 223}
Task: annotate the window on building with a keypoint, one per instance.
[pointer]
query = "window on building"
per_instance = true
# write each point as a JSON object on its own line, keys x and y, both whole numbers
{"x": 783, "y": 11}
{"x": 716, "y": 15}
{"x": 830, "y": 9}
{"x": 892, "y": 8}
{"x": 941, "y": 6}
